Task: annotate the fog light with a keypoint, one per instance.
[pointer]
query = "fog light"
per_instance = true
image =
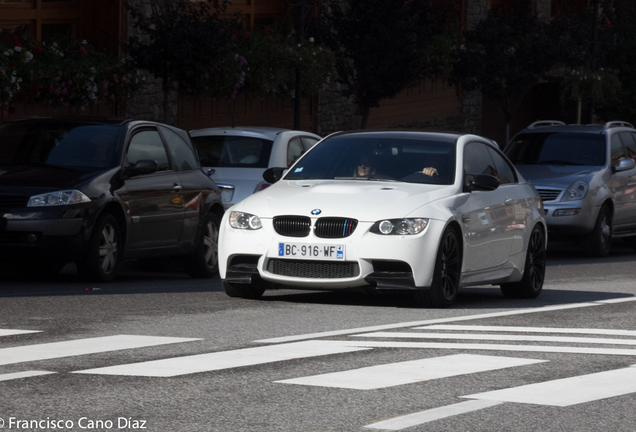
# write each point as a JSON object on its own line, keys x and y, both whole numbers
{"x": 566, "y": 212}
{"x": 32, "y": 238}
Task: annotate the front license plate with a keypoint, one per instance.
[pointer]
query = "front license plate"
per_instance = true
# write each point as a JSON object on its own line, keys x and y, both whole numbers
{"x": 311, "y": 251}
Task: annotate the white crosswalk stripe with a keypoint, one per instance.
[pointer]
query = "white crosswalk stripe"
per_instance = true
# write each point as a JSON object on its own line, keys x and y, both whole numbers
{"x": 10, "y": 332}
{"x": 77, "y": 347}
{"x": 394, "y": 374}
{"x": 226, "y": 359}
{"x": 25, "y": 374}
{"x": 568, "y": 391}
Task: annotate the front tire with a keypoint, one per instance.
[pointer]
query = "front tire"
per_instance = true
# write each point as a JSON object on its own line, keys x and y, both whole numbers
{"x": 599, "y": 242}
{"x": 448, "y": 266}
{"x": 531, "y": 285}
{"x": 101, "y": 261}
{"x": 204, "y": 263}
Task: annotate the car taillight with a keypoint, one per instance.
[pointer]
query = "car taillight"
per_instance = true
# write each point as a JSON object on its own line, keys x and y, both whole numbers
{"x": 262, "y": 185}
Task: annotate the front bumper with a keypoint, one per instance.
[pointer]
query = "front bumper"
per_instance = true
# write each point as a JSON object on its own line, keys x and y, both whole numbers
{"x": 579, "y": 224}
{"x": 41, "y": 235}
{"x": 386, "y": 262}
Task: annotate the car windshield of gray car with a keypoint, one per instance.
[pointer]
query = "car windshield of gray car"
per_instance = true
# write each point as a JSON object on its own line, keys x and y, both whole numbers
{"x": 76, "y": 146}
{"x": 233, "y": 151}
{"x": 378, "y": 158}
{"x": 558, "y": 148}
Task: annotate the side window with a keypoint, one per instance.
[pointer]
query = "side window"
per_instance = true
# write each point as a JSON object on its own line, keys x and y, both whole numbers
{"x": 294, "y": 150}
{"x": 630, "y": 144}
{"x": 504, "y": 170}
{"x": 148, "y": 145}
{"x": 181, "y": 153}
{"x": 618, "y": 153}
{"x": 477, "y": 160}
{"x": 308, "y": 142}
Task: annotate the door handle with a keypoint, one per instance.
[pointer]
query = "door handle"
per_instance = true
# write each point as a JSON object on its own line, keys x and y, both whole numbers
{"x": 177, "y": 187}
{"x": 509, "y": 201}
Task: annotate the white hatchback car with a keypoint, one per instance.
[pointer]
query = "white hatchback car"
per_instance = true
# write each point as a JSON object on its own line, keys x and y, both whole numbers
{"x": 425, "y": 212}
{"x": 237, "y": 157}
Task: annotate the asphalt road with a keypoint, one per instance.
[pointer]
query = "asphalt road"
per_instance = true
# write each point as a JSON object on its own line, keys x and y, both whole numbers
{"x": 163, "y": 352}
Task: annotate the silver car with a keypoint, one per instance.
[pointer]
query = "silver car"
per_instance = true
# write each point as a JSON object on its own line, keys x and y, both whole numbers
{"x": 586, "y": 176}
{"x": 237, "y": 157}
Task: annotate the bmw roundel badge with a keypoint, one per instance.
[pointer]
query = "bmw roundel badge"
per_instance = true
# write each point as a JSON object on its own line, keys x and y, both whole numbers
{"x": 316, "y": 212}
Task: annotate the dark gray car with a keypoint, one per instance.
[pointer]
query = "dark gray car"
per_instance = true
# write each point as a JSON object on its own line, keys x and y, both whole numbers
{"x": 99, "y": 191}
{"x": 586, "y": 176}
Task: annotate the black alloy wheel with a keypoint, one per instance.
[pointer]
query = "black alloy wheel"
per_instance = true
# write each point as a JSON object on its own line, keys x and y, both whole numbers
{"x": 531, "y": 284}
{"x": 448, "y": 266}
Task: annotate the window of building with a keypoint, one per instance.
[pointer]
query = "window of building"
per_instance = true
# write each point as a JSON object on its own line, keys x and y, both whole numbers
{"x": 41, "y": 19}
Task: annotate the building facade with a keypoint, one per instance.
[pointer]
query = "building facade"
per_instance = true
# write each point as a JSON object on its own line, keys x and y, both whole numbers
{"x": 433, "y": 104}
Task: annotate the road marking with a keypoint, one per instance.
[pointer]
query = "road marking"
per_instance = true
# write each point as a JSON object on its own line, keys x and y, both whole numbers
{"x": 25, "y": 374}
{"x": 493, "y": 347}
{"x": 525, "y": 338}
{"x": 226, "y": 359}
{"x": 394, "y": 374}
{"x": 9, "y": 332}
{"x": 568, "y": 391}
{"x": 81, "y": 347}
{"x": 605, "y": 332}
{"x": 422, "y": 417}
{"x": 444, "y": 320}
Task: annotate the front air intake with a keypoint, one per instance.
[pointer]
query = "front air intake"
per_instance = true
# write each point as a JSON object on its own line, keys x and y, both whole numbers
{"x": 335, "y": 227}
{"x": 292, "y": 226}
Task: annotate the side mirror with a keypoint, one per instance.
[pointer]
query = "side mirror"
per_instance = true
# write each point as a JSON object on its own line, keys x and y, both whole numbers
{"x": 143, "y": 166}
{"x": 625, "y": 165}
{"x": 480, "y": 182}
{"x": 272, "y": 175}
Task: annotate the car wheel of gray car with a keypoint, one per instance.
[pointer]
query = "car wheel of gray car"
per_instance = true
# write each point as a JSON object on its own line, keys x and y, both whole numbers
{"x": 101, "y": 261}
{"x": 248, "y": 291}
{"x": 448, "y": 266}
{"x": 204, "y": 263}
{"x": 599, "y": 242}
{"x": 531, "y": 284}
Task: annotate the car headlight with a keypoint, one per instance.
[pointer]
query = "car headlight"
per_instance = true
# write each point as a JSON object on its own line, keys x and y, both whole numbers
{"x": 245, "y": 221}
{"x": 409, "y": 226}
{"x": 576, "y": 191}
{"x": 58, "y": 198}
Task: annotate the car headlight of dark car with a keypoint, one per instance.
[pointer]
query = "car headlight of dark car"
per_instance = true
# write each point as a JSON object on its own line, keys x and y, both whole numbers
{"x": 245, "y": 221}
{"x": 576, "y": 191}
{"x": 407, "y": 226}
{"x": 58, "y": 198}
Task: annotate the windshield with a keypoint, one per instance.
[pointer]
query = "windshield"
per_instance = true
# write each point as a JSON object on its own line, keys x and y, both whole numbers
{"x": 63, "y": 144}
{"x": 558, "y": 148}
{"x": 233, "y": 151}
{"x": 409, "y": 159}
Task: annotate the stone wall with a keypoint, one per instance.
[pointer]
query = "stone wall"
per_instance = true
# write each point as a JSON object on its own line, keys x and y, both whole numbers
{"x": 335, "y": 112}
{"x": 147, "y": 103}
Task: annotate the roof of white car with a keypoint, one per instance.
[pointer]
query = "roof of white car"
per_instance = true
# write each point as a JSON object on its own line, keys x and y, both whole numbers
{"x": 260, "y": 131}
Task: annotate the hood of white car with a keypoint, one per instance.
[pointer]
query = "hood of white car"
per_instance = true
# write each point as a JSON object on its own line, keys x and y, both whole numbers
{"x": 360, "y": 199}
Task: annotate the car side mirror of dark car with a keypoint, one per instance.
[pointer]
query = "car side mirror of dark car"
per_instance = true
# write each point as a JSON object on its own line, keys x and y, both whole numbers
{"x": 143, "y": 166}
{"x": 624, "y": 165}
{"x": 480, "y": 182}
{"x": 272, "y": 175}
